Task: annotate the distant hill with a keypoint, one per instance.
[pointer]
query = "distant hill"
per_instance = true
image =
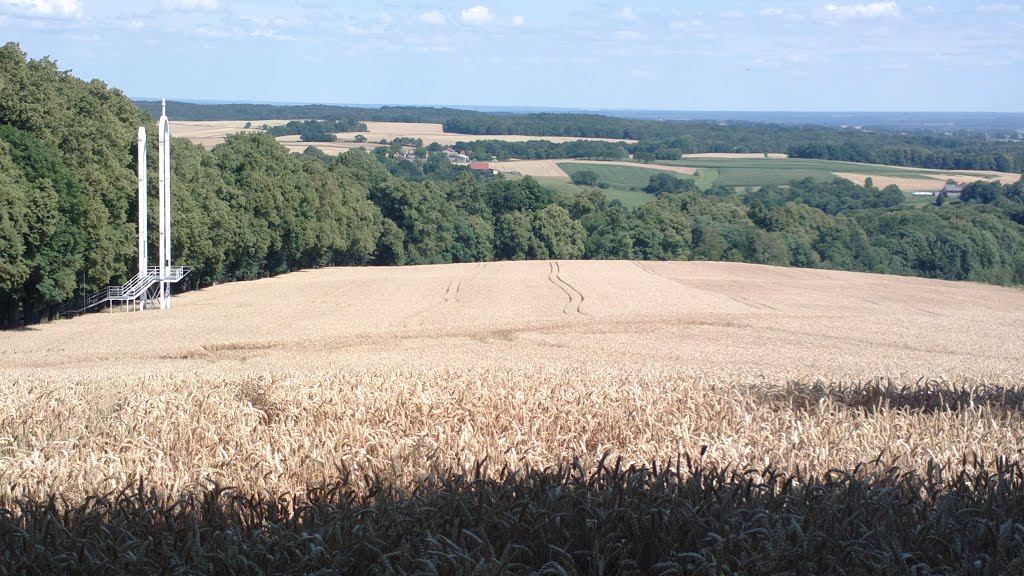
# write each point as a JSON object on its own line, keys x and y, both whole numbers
{"x": 241, "y": 111}
{"x": 941, "y": 122}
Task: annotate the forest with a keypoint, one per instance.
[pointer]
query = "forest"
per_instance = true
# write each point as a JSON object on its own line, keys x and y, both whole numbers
{"x": 248, "y": 208}
{"x": 315, "y": 130}
{"x": 246, "y": 112}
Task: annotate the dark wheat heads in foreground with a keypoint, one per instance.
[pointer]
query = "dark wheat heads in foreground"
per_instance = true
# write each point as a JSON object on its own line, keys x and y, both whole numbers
{"x": 682, "y": 518}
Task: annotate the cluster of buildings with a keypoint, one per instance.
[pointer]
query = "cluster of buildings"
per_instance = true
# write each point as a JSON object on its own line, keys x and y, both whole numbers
{"x": 461, "y": 158}
{"x": 454, "y": 156}
{"x": 952, "y": 191}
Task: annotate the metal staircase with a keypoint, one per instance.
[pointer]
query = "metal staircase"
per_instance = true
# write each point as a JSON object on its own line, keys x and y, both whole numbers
{"x": 132, "y": 293}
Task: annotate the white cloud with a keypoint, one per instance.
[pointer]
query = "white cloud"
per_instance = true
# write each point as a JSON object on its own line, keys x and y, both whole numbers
{"x": 433, "y": 17}
{"x": 686, "y": 25}
{"x": 275, "y": 22}
{"x": 212, "y": 32}
{"x": 190, "y": 5}
{"x": 628, "y": 13}
{"x": 772, "y": 12}
{"x": 477, "y": 15}
{"x": 629, "y": 36}
{"x": 49, "y": 8}
{"x": 269, "y": 35}
{"x": 997, "y": 8}
{"x": 873, "y": 10}
{"x": 518, "y": 21}
{"x": 136, "y": 24}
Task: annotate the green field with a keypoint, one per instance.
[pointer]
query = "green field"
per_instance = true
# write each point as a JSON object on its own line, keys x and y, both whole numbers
{"x": 629, "y": 198}
{"x": 626, "y": 183}
{"x": 617, "y": 176}
{"x": 740, "y": 172}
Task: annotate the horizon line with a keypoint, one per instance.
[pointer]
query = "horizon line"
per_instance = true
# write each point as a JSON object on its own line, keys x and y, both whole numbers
{"x": 204, "y": 101}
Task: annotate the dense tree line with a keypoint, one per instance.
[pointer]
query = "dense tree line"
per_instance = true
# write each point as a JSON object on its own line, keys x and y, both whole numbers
{"x": 316, "y": 130}
{"x": 995, "y": 193}
{"x": 835, "y": 197}
{"x": 247, "y": 208}
{"x": 967, "y": 152}
{"x": 665, "y": 183}
{"x": 66, "y": 183}
{"x": 238, "y": 112}
{"x": 544, "y": 149}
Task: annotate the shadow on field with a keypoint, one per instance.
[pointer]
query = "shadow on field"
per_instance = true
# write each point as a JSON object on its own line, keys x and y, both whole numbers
{"x": 686, "y": 518}
{"x": 877, "y": 396}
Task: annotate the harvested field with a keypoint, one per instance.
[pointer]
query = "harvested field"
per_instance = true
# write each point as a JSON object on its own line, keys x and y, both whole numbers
{"x": 535, "y": 168}
{"x": 929, "y": 181}
{"x": 551, "y": 168}
{"x": 904, "y": 184}
{"x": 979, "y": 175}
{"x": 435, "y": 133}
{"x": 294, "y": 144}
{"x": 270, "y": 385}
{"x": 759, "y": 171}
{"x": 212, "y": 132}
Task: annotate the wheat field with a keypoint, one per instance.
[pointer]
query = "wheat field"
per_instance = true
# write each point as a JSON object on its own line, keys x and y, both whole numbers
{"x": 209, "y": 133}
{"x": 276, "y": 385}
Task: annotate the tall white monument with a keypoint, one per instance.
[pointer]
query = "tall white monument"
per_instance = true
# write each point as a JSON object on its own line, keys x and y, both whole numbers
{"x": 165, "y": 208}
{"x": 143, "y": 211}
{"x": 162, "y": 275}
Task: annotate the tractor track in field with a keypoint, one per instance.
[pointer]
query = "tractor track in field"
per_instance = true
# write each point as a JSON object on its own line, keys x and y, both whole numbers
{"x": 574, "y": 296}
{"x": 452, "y": 295}
{"x": 558, "y": 274}
{"x": 454, "y": 290}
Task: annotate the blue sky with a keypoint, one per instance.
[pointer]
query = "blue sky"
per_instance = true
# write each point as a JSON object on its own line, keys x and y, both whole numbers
{"x": 927, "y": 55}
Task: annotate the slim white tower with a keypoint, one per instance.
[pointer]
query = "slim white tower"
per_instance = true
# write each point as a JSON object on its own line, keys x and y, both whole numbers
{"x": 165, "y": 208}
{"x": 143, "y": 210}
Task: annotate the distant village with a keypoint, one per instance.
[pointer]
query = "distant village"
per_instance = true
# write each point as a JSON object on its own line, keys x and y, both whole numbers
{"x": 454, "y": 156}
